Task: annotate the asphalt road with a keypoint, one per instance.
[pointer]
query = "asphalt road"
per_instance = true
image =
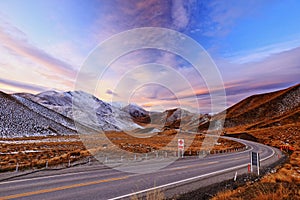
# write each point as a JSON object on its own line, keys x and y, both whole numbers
{"x": 98, "y": 182}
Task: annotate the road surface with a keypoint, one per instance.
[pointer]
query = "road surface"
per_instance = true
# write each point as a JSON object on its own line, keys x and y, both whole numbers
{"x": 98, "y": 182}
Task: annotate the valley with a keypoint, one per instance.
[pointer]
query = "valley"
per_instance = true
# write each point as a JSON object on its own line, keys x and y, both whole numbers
{"x": 34, "y": 152}
{"x": 39, "y": 131}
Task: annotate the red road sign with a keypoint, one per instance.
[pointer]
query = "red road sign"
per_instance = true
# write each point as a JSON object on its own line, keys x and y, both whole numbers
{"x": 180, "y": 143}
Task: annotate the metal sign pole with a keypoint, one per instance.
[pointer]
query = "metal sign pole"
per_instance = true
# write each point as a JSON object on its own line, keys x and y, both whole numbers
{"x": 180, "y": 148}
{"x": 251, "y": 164}
{"x": 258, "y": 163}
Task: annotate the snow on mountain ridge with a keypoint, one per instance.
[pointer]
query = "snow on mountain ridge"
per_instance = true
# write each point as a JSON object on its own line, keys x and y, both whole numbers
{"x": 46, "y": 112}
{"x": 85, "y": 108}
{"x": 20, "y": 118}
{"x": 135, "y": 111}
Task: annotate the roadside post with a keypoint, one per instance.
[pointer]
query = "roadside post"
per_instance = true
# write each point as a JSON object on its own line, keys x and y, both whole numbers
{"x": 180, "y": 147}
{"x": 17, "y": 167}
{"x": 235, "y": 176}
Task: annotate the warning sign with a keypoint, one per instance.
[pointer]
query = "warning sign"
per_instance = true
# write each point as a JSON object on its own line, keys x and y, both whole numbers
{"x": 180, "y": 143}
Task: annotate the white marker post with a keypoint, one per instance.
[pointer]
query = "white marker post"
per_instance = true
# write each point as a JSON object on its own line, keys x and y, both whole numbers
{"x": 251, "y": 164}
{"x": 17, "y": 167}
{"x": 258, "y": 163}
{"x": 180, "y": 147}
{"x": 235, "y": 176}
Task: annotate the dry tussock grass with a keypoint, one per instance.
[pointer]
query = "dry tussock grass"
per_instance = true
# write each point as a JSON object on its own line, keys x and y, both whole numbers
{"x": 280, "y": 193}
{"x": 163, "y": 139}
{"x": 288, "y": 174}
{"x": 60, "y": 149}
{"x": 262, "y": 191}
{"x": 151, "y": 195}
{"x": 54, "y": 149}
{"x": 225, "y": 195}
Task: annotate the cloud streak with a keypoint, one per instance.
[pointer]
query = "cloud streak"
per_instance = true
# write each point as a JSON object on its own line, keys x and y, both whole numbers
{"x": 12, "y": 39}
{"x": 122, "y": 15}
{"x": 20, "y": 85}
{"x": 262, "y": 53}
{"x": 245, "y": 72}
{"x": 275, "y": 72}
{"x": 221, "y": 16}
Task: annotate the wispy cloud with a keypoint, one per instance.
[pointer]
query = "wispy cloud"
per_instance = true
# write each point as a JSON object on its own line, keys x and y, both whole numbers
{"x": 180, "y": 14}
{"x": 274, "y": 72}
{"x": 221, "y": 16}
{"x": 260, "y": 54}
{"x": 245, "y": 72}
{"x": 128, "y": 14}
{"x": 11, "y": 85}
{"x": 110, "y": 92}
{"x": 15, "y": 40}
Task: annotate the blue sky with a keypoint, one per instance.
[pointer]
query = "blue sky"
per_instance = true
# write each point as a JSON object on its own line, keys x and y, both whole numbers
{"x": 255, "y": 45}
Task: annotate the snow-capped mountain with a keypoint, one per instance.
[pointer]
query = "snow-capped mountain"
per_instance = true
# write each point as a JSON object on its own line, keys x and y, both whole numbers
{"x": 21, "y": 117}
{"x": 138, "y": 114}
{"x": 44, "y": 111}
{"x": 55, "y": 113}
{"x": 85, "y": 109}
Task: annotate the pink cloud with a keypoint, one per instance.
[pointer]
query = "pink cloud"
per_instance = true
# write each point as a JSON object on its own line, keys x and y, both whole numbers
{"x": 15, "y": 40}
{"x": 12, "y": 86}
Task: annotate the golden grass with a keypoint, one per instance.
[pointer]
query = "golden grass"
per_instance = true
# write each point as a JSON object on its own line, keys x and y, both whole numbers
{"x": 261, "y": 191}
{"x": 280, "y": 193}
{"x": 225, "y": 195}
{"x": 54, "y": 150}
{"x": 288, "y": 174}
{"x": 151, "y": 195}
{"x": 163, "y": 139}
{"x": 58, "y": 150}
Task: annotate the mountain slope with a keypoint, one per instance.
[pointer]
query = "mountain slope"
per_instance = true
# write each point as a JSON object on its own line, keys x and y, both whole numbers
{"x": 18, "y": 120}
{"x": 138, "y": 114}
{"x": 86, "y": 109}
{"x": 264, "y": 109}
{"x": 48, "y": 113}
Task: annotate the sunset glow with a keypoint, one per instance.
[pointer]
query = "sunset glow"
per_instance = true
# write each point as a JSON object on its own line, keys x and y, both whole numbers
{"x": 254, "y": 44}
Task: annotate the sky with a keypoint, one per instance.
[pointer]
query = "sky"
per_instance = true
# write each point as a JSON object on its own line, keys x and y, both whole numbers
{"x": 255, "y": 46}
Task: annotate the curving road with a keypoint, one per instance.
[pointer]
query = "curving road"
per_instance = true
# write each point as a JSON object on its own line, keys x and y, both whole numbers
{"x": 99, "y": 182}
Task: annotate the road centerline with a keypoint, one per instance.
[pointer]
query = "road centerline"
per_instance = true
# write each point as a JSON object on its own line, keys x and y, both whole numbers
{"x": 62, "y": 188}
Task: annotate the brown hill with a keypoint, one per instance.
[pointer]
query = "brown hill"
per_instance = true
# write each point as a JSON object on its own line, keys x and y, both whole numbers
{"x": 266, "y": 110}
{"x": 272, "y": 119}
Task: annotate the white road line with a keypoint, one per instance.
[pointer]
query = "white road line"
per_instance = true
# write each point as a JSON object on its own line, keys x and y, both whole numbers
{"x": 196, "y": 177}
{"x": 76, "y": 173}
{"x": 142, "y": 191}
{"x": 266, "y": 158}
{"x": 45, "y": 177}
{"x": 178, "y": 182}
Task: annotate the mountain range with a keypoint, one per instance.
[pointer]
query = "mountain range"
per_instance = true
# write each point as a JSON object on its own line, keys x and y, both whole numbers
{"x": 53, "y": 113}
